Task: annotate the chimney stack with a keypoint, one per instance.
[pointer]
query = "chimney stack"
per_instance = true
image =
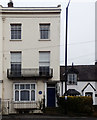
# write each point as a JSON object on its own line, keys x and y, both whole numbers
{"x": 10, "y": 4}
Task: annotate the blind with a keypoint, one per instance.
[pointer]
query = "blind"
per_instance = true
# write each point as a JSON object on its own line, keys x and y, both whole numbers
{"x": 44, "y": 58}
{"x": 16, "y": 57}
{"x": 45, "y": 27}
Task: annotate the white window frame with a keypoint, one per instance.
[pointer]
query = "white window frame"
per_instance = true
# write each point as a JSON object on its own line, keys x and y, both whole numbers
{"x": 16, "y": 60}
{"x": 11, "y": 33}
{"x": 73, "y": 78}
{"x": 47, "y": 30}
{"x": 22, "y": 90}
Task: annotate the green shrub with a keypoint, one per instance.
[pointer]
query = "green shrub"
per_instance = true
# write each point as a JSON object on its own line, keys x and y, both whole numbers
{"x": 76, "y": 104}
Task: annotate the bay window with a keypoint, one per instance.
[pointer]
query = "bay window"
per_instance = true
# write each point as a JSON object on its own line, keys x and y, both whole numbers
{"x": 24, "y": 92}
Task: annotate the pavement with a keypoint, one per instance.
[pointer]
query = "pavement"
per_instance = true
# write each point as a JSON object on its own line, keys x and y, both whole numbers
{"x": 44, "y": 117}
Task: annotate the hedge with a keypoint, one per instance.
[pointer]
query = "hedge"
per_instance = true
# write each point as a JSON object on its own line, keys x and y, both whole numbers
{"x": 76, "y": 104}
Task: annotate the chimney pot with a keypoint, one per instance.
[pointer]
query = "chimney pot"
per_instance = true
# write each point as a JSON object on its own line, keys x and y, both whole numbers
{"x": 10, "y": 4}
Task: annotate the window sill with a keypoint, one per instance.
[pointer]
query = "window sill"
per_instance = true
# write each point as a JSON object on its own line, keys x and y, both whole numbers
{"x": 44, "y": 40}
{"x": 16, "y": 40}
{"x": 20, "y": 102}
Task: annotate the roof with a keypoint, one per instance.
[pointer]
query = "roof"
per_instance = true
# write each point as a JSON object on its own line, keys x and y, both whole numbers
{"x": 73, "y": 70}
{"x": 85, "y": 72}
{"x": 72, "y": 92}
{"x": 30, "y": 9}
{"x": 87, "y": 86}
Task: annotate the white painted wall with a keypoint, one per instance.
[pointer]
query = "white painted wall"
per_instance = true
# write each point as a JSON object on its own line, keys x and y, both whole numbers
{"x": 81, "y": 85}
{"x": 30, "y": 45}
{"x": 1, "y": 54}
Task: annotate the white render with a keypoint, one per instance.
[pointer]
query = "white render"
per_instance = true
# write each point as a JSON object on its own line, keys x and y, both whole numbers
{"x": 80, "y": 86}
{"x": 30, "y": 45}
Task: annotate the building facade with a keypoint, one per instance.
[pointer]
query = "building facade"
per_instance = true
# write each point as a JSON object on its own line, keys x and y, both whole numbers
{"x": 29, "y": 57}
{"x": 81, "y": 80}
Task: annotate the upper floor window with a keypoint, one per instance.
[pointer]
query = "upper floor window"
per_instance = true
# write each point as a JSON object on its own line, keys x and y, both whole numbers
{"x": 16, "y": 31}
{"x": 16, "y": 63}
{"x": 44, "y": 63}
{"x": 44, "y": 31}
{"x": 72, "y": 79}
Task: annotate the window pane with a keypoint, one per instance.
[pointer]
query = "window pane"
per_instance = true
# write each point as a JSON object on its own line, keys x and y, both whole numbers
{"x": 15, "y": 69}
{"x": 41, "y": 35}
{"x": 32, "y": 95}
{"x": 27, "y": 86}
{"x": 24, "y": 95}
{"x": 16, "y": 95}
{"x": 32, "y": 86}
{"x": 74, "y": 77}
{"x": 44, "y": 71}
{"x": 46, "y": 34}
{"x": 17, "y": 86}
{"x": 70, "y": 77}
{"x": 22, "y": 86}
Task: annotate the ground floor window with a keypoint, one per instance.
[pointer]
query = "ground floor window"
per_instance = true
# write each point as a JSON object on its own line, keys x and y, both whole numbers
{"x": 89, "y": 94}
{"x": 24, "y": 92}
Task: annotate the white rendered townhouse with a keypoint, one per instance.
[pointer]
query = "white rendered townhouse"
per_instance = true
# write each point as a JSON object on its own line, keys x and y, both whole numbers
{"x": 29, "y": 57}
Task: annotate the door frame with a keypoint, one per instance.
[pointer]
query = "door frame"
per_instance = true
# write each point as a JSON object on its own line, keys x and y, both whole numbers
{"x": 46, "y": 86}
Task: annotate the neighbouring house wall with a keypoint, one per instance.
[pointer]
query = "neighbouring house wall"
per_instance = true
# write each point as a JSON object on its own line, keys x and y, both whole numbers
{"x": 81, "y": 85}
{"x": 96, "y": 93}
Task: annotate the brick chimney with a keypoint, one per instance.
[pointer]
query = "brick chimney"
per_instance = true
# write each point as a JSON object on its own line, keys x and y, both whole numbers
{"x": 10, "y": 4}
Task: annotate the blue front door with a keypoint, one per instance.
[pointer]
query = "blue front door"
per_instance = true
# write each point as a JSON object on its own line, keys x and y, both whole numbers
{"x": 50, "y": 97}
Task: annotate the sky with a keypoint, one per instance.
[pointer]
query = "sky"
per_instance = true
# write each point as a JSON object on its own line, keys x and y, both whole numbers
{"x": 81, "y": 27}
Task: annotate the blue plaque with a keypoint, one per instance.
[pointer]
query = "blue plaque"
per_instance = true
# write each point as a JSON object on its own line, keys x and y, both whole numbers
{"x": 40, "y": 92}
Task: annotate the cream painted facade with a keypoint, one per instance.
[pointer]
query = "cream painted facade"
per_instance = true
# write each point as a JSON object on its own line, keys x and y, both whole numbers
{"x": 29, "y": 45}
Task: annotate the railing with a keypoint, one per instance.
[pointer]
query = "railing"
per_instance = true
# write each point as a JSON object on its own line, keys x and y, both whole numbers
{"x": 30, "y": 73}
